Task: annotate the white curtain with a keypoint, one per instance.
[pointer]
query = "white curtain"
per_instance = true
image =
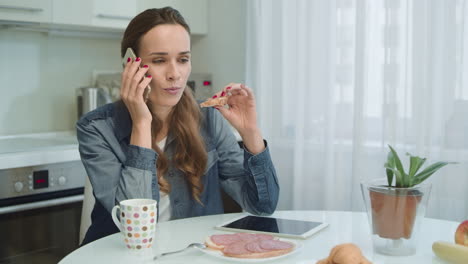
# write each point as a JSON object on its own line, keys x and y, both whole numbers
{"x": 336, "y": 81}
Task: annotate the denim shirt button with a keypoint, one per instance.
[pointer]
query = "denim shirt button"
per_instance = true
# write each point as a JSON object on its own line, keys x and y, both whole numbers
{"x": 176, "y": 201}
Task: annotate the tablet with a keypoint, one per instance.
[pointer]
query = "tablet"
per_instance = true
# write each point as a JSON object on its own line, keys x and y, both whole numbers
{"x": 275, "y": 226}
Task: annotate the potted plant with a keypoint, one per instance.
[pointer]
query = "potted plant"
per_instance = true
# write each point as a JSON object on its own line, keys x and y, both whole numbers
{"x": 395, "y": 204}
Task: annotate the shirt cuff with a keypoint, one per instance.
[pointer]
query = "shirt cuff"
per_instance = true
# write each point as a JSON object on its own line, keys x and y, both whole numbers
{"x": 141, "y": 158}
{"x": 259, "y": 162}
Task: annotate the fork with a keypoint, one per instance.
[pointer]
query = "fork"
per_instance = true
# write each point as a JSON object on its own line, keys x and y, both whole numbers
{"x": 193, "y": 245}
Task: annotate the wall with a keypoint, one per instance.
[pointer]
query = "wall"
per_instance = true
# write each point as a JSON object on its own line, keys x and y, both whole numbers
{"x": 39, "y": 72}
{"x": 222, "y": 52}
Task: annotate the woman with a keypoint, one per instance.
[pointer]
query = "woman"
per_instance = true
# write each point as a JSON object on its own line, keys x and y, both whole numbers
{"x": 167, "y": 148}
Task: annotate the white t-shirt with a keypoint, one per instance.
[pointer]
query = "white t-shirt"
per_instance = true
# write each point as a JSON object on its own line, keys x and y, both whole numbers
{"x": 164, "y": 202}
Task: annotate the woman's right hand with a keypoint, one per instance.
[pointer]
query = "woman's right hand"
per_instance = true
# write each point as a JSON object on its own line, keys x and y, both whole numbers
{"x": 134, "y": 83}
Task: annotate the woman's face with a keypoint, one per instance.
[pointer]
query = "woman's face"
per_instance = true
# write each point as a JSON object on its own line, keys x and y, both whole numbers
{"x": 166, "y": 50}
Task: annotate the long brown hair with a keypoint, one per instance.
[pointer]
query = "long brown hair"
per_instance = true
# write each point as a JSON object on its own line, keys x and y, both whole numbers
{"x": 190, "y": 154}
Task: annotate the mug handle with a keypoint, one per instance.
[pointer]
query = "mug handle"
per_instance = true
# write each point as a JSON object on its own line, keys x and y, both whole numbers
{"x": 114, "y": 217}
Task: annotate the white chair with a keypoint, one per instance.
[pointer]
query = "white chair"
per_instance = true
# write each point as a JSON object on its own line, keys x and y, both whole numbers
{"x": 88, "y": 205}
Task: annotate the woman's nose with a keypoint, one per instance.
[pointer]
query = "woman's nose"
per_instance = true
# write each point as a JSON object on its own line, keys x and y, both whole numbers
{"x": 173, "y": 73}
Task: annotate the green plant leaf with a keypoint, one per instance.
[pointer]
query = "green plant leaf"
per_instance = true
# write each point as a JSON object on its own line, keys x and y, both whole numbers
{"x": 390, "y": 174}
{"x": 399, "y": 181}
{"x": 415, "y": 165}
{"x": 389, "y": 177}
{"x": 402, "y": 181}
{"x": 390, "y": 165}
{"x": 427, "y": 172}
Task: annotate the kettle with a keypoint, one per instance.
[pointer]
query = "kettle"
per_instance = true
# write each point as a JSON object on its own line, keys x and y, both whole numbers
{"x": 90, "y": 98}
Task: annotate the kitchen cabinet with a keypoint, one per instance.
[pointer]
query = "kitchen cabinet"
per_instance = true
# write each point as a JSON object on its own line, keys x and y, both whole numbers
{"x": 36, "y": 11}
{"x": 195, "y": 12}
{"x": 97, "y": 15}
{"x": 111, "y": 14}
{"x": 116, "y": 14}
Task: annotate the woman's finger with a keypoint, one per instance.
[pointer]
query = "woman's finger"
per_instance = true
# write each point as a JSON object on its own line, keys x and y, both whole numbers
{"x": 230, "y": 87}
{"x": 219, "y": 94}
{"x": 238, "y": 92}
{"x": 226, "y": 90}
{"x": 248, "y": 90}
{"x": 128, "y": 65}
{"x": 133, "y": 68}
{"x": 124, "y": 79}
{"x": 138, "y": 78}
{"x": 224, "y": 111}
{"x": 142, "y": 86}
{"x": 135, "y": 65}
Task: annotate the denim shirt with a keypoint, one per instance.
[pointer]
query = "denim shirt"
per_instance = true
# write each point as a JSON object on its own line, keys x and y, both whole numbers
{"x": 120, "y": 171}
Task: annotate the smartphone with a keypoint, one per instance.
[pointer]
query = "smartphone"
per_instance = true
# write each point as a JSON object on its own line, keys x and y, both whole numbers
{"x": 131, "y": 54}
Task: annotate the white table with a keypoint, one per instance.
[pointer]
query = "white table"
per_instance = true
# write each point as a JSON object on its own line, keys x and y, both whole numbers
{"x": 344, "y": 227}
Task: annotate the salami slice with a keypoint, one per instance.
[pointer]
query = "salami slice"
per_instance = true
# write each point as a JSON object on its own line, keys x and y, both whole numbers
{"x": 274, "y": 245}
{"x": 225, "y": 239}
{"x": 255, "y": 247}
{"x": 247, "y": 237}
{"x": 264, "y": 236}
{"x": 236, "y": 248}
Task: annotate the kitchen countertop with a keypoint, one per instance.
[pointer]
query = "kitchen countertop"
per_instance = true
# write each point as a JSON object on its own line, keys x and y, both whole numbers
{"x": 36, "y": 149}
{"x": 42, "y": 148}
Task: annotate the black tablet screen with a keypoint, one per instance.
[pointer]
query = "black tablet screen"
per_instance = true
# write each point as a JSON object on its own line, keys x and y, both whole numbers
{"x": 273, "y": 225}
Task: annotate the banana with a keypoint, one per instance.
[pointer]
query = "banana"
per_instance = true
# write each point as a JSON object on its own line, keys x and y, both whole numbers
{"x": 453, "y": 253}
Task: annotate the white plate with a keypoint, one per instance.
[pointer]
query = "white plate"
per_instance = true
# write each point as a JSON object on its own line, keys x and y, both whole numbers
{"x": 219, "y": 254}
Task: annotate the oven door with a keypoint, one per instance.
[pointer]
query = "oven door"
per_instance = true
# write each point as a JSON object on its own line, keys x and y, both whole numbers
{"x": 40, "y": 228}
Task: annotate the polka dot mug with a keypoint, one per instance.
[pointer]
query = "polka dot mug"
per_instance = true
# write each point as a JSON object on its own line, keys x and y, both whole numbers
{"x": 137, "y": 222}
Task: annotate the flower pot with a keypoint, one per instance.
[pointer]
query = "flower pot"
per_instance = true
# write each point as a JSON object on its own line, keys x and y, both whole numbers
{"x": 393, "y": 211}
{"x": 394, "y": 215}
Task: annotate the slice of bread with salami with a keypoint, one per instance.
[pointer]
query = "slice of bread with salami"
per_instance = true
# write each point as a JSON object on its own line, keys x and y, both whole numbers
{"x": 219, "y": 101}
{"x": 246, "y": 245}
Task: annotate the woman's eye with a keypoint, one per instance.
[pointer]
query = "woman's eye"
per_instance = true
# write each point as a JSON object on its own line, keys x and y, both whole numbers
{"x": 158, "y": 61}
{"x": 184, "y": 60}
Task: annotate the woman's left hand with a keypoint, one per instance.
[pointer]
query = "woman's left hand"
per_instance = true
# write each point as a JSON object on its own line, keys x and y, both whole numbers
{"x": 242, "y": 115}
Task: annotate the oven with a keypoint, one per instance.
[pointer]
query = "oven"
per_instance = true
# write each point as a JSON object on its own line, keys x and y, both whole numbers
{"x": 40, "y": 211}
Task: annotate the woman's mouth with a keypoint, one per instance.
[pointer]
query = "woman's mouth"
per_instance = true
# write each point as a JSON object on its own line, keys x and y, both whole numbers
{"x": 172, "y": 90}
